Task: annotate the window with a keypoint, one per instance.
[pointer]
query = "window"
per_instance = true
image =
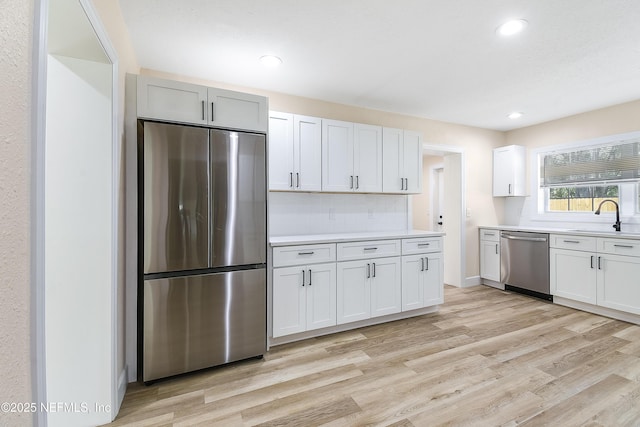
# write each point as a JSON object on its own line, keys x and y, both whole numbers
{"x": 581, "y": 198}
{"x": 575, "y": 178}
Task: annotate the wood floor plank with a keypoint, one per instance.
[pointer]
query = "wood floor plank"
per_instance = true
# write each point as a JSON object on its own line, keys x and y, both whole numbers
{"x": 487, "y": 357}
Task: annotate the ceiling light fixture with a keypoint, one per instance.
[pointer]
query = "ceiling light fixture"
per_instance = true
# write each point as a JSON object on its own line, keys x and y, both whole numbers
{"x": 512, "y": 27}
{"x": 515, "y": 115}
{"x": 270, "y": 60}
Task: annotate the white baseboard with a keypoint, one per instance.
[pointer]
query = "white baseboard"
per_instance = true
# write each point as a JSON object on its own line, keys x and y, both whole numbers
{"x": 602, "y": 311}
{"x": 122, "y": 388}
{"x": 472, "y": 281}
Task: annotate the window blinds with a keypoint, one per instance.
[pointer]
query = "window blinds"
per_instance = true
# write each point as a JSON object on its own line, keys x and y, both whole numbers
{"x": 614, "y": 162}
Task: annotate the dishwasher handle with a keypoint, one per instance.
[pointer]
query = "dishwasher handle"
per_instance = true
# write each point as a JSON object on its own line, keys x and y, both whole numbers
{"x": 527, "y": 239}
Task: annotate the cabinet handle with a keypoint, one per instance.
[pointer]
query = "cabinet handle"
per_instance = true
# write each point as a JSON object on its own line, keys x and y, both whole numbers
{"x": 368, "y": 271}
{"x": 306, "y": 253}
{"x": 624, "y": 246}
{"x": 406, "y": 184}
{"x": 357, "y": 181}
{"x": 370, "y": 249}
{"x": 489, "y": 234}
{"x": 509, "y": 188}
{"x": 599, "y": 263}
{"x": 496, "y": 249}
{"x": 421, "y": 264}
{"x": 212, "y": 115}
{"x": 297, "y": 180}
{"x": 401, "y": 183}
{"x": 427, "y": 262}
{"x": 203, "y": 118}
{"x": 309, "y": 277}
{"x": 592, "y": 257}
{"x": 291, "y": 179}
{"x": 351, "y": 182}
{"x": 571, "y": 241}
{"x": 423, "y": 244}
{"x": 374, "y": 269}
{"x": 302, "y": 277}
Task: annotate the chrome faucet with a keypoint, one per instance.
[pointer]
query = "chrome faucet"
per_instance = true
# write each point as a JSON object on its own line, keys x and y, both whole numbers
{"x": 617, "y": 224}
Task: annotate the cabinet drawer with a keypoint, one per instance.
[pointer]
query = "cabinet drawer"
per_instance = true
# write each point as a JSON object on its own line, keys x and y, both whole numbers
{"x": 577, "y": 243}
{"x": 619, "y": 246}
{"x": 367, "y": 250}
{"x": 301, "y": 255}
{"x": 489, "y": 235}
{"x": 421, "y": 245}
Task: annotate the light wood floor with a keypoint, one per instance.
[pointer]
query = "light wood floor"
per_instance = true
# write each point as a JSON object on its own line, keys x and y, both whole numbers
{"x": 487, "y": 358}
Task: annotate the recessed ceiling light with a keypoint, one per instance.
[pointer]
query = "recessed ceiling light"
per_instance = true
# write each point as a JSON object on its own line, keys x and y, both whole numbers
{"x": 515, "y": 115}
{"x": 270, "y": 60}
{"x": 512, "y": 27}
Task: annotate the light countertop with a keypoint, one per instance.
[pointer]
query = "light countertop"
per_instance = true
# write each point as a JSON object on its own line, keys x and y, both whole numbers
{"x": 349, "y": 237}
{"x": 573, "y": 231}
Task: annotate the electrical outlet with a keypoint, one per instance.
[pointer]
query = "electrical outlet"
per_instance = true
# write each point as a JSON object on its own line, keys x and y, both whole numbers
{"x": 468, "y": 213}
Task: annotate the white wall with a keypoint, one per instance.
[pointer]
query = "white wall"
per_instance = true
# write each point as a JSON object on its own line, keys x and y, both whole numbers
{"x": 318, "y": 213}
{"x": 78, "y": 241}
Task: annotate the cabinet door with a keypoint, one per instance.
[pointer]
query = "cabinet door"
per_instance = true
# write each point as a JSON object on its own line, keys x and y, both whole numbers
{"x": 281, "y": 151}
{"x": 289, "y": 301}
{"x": 169, "y": 100}
{"x": 307, "y": 138}
{"x": 392, "y": 158}
{"x": 433, "y": 279}
{"x": 618, "y": 286}
{"x": 509, "y": 171}
{"x": 367, "y": 158}
{"x": 337, "y": 156}
{"x": 386, "y": 286}
{"x": 490, "y": 260}
{"x": 353, "y": 291}
{"x": 321, "y": 296}
{"x": 412, "y": 282}
{"x": 237, "y": 110}
{"x": 573, "y": 274}
{"x": 412, "y": 162}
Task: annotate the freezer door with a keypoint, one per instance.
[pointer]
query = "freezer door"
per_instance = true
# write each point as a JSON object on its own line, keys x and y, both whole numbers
{"x": 176, "y": 197}
{"x": 200, "y": 321}
{"x": 238, "y": 198}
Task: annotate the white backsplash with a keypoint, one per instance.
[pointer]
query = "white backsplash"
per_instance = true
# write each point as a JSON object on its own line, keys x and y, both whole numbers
{"x": 321, "y": 213}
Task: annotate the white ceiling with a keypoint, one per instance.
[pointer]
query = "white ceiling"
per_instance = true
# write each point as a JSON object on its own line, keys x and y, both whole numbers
{"x": 438, "y": 59}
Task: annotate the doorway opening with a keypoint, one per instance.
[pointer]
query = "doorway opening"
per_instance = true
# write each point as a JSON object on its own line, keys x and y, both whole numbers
{"x": 441, "y": 206}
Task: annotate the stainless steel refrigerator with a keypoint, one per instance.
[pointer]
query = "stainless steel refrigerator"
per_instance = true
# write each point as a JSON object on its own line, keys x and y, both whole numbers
{"x": 202, "y": 246}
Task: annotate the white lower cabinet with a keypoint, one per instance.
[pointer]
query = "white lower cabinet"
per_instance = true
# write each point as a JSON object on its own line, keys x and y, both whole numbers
{"x": 573, "y": 274}
{"x": 304, "y": 298}
{"x": 490, "y": 254}
{"x": 368, "y": 288}
{"x": 422, "y": 281}
{"x": 619, "y": 283}
{"x": 606, "y": 277}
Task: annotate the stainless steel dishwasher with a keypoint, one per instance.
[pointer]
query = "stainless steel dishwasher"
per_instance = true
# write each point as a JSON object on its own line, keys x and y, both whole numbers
{"x": 524, "y": 263}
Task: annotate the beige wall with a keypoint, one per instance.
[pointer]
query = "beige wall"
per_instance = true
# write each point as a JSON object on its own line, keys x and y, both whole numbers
{"x": 613, "y": 120}
{"x": 16, "y": 38}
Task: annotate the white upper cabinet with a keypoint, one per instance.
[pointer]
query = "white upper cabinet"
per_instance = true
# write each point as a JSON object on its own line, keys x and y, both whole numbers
{"x": 367, "y": 158}
{"x": 295, "y": 152}
{"x": 188, "y": 103}
{"x": 402, "y": 164}
{"x": 169, "y": 100}
{"x": 237, "y": 110}
{"x": 509, "y": 171}
{"x": 337, "y": 156}
{"x": 351, "y": 157}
